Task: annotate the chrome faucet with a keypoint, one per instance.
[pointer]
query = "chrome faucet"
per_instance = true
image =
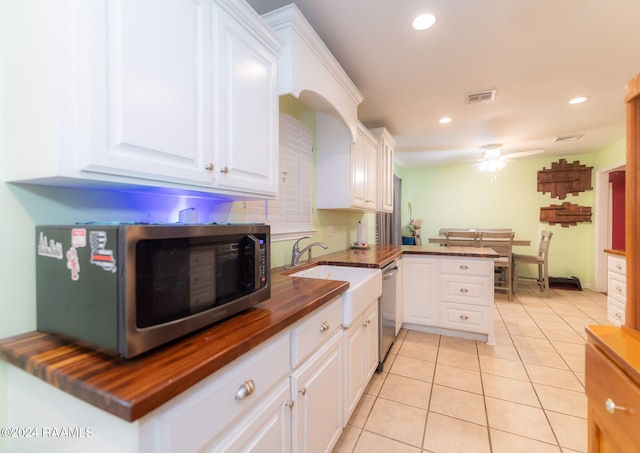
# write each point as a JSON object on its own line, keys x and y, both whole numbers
{"x": 296, "y": 253}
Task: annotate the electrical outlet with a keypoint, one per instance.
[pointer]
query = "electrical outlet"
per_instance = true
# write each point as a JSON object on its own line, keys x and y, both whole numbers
{"x": 330, "y": 230}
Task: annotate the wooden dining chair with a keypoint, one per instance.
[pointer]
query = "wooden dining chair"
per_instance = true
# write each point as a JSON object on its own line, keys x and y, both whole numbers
{"x": 541, "y": 260}
{"x": 461, "y": 239}
{"x": 502, "y": 244}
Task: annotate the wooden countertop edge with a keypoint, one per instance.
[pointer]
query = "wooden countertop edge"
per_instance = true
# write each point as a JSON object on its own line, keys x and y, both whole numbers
{"x": 615, "y": 252}
{"x": 620, "y": 344}
{"x": 105, "y": 382}
{"x": 60, "y": 363}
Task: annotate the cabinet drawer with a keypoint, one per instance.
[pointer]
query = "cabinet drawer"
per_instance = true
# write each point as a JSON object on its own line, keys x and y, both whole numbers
{"x": 464, "y": 317}
{"x": 604, "y": 381}
{"x": 314, "y": 331}
{"x": 617, "y": 286}
{"x": 466, "y": 290}
{"x": 615, "y": 311}
{"x": 209, "y": 408}
{"x": 466, "y": 267}
{"x": 617, "y": 265}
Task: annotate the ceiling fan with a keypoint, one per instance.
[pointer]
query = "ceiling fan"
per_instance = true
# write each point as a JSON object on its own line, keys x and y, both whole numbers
{"x": 493, "y": 159}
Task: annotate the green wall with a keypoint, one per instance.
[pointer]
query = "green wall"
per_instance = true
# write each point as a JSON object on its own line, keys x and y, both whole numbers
{"x": 461, "y": 196}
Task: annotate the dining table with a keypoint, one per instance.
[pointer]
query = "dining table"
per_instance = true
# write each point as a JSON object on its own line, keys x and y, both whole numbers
{"x": 442, "y": 241}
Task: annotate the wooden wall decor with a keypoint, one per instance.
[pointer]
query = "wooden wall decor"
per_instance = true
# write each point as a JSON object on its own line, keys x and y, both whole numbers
{"x": 563, "y": 178}
{"x": 565, "y": 214}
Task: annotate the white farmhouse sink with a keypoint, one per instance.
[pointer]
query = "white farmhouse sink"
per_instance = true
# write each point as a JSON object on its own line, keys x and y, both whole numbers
{"x": 365, "y": 286}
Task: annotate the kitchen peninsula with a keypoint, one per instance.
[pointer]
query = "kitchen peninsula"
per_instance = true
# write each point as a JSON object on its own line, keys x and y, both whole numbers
{"x": 138, "y": 392}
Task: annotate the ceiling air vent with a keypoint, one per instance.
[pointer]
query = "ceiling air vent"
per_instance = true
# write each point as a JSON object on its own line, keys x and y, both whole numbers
{"x": 567, "y": 138}
{"x": 480, "y": 97}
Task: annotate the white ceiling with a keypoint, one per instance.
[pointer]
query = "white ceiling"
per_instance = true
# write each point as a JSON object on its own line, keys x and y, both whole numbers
{"x": 537, "y": 54}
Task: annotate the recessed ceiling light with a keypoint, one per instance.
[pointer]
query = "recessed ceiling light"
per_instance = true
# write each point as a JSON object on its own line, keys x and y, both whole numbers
{"x": 444, "y": 120}
{"x": 578, "y": 100}
{"x": 424, "y": 21}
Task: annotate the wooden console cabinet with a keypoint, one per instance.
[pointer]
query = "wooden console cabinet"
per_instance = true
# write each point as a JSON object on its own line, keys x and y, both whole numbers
{"x": 612, "y": 358}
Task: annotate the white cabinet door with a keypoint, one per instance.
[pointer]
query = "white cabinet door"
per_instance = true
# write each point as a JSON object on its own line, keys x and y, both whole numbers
{"x": 364, "y": 170}
{"x": 371, "y": 343}
{"x": 385, "y": 169}
{"x": 317, "y": 395}
{"x": 361, "y": 356}
{"x": 268, "y": 429}
{"x": 346, "y": 174}
{"x": 150, "y": 104}
{"x": 420, "y": 290}
{"x": 354, "y": 352}
{"x": 246, "y": 109}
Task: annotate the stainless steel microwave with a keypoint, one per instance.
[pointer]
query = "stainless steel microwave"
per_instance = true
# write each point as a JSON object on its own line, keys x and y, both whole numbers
{"x": 128, "y": 288}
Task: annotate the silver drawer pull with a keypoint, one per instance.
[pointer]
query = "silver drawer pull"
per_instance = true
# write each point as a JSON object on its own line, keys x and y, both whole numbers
{"x": 618, "y": 315}
{"x": 611, "y": 406}
{"x": 464, "y": 267}
{"x": 464, "y": 290}
{"x": 324, "y": 327}
{"x": 464, "y": 317}
{"x": 619, "y": 267}
{"x": 619, "y": 289}
{"x": 245, "y": 390}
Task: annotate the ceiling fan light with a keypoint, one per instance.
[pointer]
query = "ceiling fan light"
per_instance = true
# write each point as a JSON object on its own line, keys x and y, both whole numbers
{"x": 423, "y": 21}
{"x": 491, "y": 165}
{"x": 578, "y": 100}
{"x": 492, "y": 153}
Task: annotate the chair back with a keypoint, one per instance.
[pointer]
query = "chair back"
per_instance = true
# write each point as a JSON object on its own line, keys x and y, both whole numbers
{"x": 501, "y": 243}
{"x": 461, "y": 238}
{"x": 545, "y": 240}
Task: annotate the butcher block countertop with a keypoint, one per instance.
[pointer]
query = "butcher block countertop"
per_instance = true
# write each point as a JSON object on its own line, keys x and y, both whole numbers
{"x": 615, "y": 252}
{"x": 134, "y": 387}
{"x": 131, "y": 388}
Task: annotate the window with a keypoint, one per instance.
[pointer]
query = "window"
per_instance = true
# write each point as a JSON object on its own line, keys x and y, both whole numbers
{"x": 290, "y": 214}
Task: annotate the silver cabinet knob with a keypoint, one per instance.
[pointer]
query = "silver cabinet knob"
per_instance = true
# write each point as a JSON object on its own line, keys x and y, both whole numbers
{"x": 302, "y": 391}
{"x": 289, "y": 404}
{"x": 245, "y": 390}
{"x": 464, "y": 317}
{"x": 224, "y": 170}
{"x": 209, "y": 167}
{"x": 325, "y": 326}
{"x": 464, "y": 267}
{"x": 611, "y": 406}
{"x": 464, "y": 290}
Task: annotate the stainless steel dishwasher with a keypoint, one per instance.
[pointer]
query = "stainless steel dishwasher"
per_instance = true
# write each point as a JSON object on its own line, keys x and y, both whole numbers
{"x": 387, "y": 312}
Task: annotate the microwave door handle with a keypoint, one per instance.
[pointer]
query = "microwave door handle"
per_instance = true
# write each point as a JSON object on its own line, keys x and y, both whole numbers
{"x": 256, "y": 258}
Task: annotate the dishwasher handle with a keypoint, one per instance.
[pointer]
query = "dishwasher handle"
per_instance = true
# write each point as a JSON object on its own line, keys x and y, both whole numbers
{"x": 389, "y": 271}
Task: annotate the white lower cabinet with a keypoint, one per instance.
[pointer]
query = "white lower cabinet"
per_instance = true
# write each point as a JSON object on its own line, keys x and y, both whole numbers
{"x": 449, "y": 295}
{"x": 220, "y": 405}
{"x": 315, "y": 391}
{"x": 616, "y": 289}
{"x": 361, "y": 356}
{"x": 419, "y": 282}
{"x": 267, "y": 429}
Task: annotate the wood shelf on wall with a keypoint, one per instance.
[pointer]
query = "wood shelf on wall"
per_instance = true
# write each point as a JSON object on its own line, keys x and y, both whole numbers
{"x": 563, "y": 178}
{"x": 566, "y": 214}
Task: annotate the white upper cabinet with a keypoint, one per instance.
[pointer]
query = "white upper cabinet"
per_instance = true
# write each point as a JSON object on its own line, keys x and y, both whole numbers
{"x": 178, "y": 94}
{"x": 346, "y": 174}
{"x": 385, "y": 169}
{"x": 151, "y": 96}
{"x": 246, "y": 108}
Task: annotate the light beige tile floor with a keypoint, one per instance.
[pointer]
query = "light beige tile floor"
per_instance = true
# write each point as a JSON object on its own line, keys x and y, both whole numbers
{"x": 441, "y": 394}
